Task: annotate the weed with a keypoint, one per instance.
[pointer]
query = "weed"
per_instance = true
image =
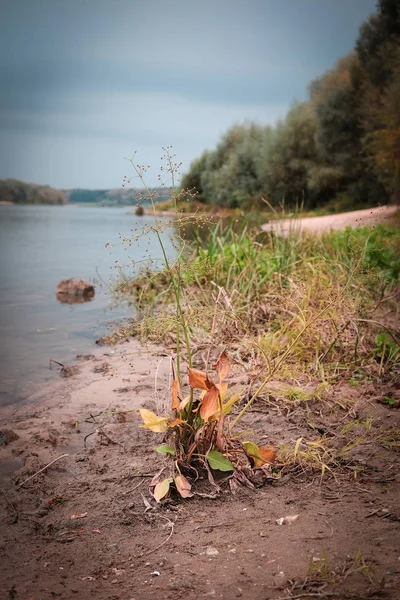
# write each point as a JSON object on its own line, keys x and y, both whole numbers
{"x": 320, "y": 567}
{"x": 195, "y": 437}
{"x": 290, "y": 307}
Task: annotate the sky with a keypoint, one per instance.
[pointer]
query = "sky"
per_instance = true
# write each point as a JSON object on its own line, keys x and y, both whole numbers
{"x": 86, "y": 83}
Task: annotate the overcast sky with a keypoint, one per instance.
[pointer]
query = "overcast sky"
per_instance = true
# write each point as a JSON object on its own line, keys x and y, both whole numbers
{"x": 85, "y": 83}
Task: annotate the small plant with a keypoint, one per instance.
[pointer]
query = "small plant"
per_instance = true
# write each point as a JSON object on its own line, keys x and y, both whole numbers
{"x": 387, "y": 351}
{"x": 320, "y": 567}
{"x": 390, "y": 401}
{"x": 196, "y": 437}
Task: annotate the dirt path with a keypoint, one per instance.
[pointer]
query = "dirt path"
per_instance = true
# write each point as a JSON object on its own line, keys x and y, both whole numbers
{"x": 83, "y": 527}
{"x": 356, "y": 218}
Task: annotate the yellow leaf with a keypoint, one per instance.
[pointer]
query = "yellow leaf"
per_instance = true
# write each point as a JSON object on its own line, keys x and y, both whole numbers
{"x": 162, "y": 489}
{"x": 209, "y": 403}
{"x": 184, "y": 402}
{"x": 222, "y": 367}
{"x": 152, "y": 421}
{"x": 199, "y": 380}
{"x": 254, "y": 452}
{"x": 229, "y": 404}
{"x": 297, "y": 446}
{"x": 175, "y": 393}
{"x": 183, "y": 486}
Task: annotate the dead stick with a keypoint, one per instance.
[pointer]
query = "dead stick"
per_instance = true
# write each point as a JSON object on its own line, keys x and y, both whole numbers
{"x": 9, "y": 502}
{"x": 41, "y": 470}
{"x": 172, "y": 525}
{"x": 310, "y": 595}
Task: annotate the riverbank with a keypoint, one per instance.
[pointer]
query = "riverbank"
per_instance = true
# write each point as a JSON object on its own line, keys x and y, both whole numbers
{"x": 87, "y": 527}
{"x": 357, "y": 218}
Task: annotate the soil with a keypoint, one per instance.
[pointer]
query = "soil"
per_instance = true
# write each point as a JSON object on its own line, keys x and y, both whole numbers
{"x": 356, "y": 218}
{"x": 87, "y": 527}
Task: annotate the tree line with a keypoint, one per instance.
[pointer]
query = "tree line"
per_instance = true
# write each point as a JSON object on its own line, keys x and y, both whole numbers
{"x": 340, "y": 148}
{"x": 18, "y": 192}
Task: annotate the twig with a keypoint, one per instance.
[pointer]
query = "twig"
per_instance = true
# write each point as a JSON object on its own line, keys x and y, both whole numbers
{"x": 9, "y": 501}
{"x": 172, "y": 525}
{"x": 329, "y": 525}
{"x": 373, "y": 322}
{"x": 211, "y": 526}
{"x": 135, "y": 488}
{"x": 86, "y": 437}
{"x": 56, "y": 362}
{"x": 41, "y": 470}
{"x": 310, "y": 595}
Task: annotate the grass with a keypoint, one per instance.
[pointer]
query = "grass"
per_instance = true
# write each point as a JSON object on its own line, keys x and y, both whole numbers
{"x": 332, "y": 290}
{"x": 293, "y": 308}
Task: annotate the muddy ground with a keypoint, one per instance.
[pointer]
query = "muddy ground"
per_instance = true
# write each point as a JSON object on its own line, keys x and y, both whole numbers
{"x": 86, "y": 527}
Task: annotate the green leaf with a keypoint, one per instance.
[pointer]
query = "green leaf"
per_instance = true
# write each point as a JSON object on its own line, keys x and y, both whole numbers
{"x": 218, "y": 461}
{"x": 165, "y": 449}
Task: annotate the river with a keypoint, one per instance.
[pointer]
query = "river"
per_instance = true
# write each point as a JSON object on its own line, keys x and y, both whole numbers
{"x": 39, "y": 246}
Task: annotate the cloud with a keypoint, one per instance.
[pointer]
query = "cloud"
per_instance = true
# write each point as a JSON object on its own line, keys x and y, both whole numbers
{"x": 75, "y": 147}
{"x": 86, "y": 80}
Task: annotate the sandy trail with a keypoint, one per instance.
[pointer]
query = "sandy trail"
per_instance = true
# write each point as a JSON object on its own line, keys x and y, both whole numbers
{"x": 356, "y": 218}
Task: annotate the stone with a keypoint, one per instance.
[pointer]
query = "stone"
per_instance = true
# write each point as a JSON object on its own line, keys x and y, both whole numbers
{"x": 74, "y": 290}
{"x": 7, "y": 436}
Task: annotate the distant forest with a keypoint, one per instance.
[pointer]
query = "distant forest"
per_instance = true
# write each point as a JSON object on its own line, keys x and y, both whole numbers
{"x": 18, "y": 192}
{"x": 339, "y": 149}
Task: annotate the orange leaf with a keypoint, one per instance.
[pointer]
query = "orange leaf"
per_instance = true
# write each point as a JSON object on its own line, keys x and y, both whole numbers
{"x": 223, "y": 389}
{"x": 183, "y": 486}
{"x": 209, "y": 404}
{"x": 268, "y": 453}
{"x": 176, "y": 422}
{"x": 175, "y": 392}
{"x": 198, "y": 379}
{"x": 223, "y": 366}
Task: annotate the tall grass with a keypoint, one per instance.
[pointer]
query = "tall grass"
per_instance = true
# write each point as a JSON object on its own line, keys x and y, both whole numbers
{"x": 322, "y": 297}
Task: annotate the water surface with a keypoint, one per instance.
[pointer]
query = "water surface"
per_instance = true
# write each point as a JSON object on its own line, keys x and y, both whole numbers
{"x": 39, "y": 246}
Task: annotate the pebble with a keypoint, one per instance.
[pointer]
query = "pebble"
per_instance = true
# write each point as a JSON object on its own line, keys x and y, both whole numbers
{"x": 210, "y": 551}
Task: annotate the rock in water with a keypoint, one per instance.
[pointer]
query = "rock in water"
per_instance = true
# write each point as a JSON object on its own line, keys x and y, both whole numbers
{"x": 74, "y": 290}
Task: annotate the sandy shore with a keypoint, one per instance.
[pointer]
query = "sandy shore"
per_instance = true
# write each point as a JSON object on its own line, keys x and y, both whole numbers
{"x": 356, "y": 218}
{"x": 110, "y": 379}
{"x": 87, "y": 527}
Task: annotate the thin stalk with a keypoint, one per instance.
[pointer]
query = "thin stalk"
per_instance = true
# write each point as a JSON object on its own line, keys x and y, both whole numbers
{"x": 292, "y": 345}
{"x": 278, "y": 364}
{"x": 175, "y": 284}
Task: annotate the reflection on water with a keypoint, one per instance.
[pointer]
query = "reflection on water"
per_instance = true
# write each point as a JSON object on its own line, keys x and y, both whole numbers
{"x": 78, "y": 299}
{"x": 39, "y": 246}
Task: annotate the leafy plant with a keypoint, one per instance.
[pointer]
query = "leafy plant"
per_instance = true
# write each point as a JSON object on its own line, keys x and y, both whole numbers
{"x": 196, "y": 437}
